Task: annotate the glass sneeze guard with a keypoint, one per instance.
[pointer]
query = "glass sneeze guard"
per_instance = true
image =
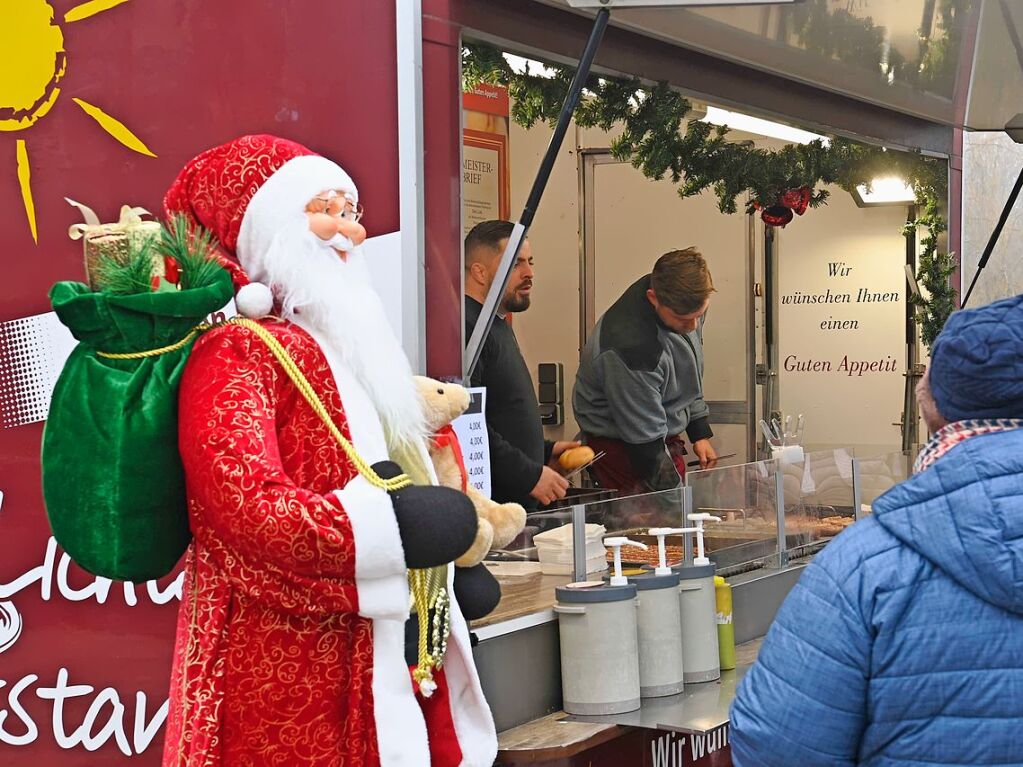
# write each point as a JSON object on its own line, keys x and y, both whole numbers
{"x": 770, "y": 515}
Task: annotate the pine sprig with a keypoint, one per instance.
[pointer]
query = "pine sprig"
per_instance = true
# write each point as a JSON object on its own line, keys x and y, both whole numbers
{"x": 129, "y": 274}
{"x": 934, "y": 270}
{"x": 484, "y": 64}
{"x": 194, "y": 249}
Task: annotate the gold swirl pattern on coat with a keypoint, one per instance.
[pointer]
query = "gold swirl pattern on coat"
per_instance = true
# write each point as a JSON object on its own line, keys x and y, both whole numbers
{"x": 273, "y": 665}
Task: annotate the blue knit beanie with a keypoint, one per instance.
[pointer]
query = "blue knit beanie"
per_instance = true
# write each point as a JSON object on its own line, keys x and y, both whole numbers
{"x": 977, "y": 363}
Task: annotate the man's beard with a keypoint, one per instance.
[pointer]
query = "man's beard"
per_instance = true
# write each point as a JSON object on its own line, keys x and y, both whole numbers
{"x": 513, "y": 302}
{"x": 335, "y": 298}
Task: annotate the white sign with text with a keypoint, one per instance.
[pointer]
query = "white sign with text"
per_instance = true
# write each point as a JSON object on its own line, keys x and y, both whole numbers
{"x": 471, "y": 430}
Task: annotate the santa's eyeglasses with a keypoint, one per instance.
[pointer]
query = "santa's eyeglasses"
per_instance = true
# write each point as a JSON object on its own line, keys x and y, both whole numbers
{"x": 341, "y": 206}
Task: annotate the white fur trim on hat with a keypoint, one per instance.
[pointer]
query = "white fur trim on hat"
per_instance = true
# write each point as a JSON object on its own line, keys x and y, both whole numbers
{"x": 254, "y": 300}
{"x": 280, "y": 202}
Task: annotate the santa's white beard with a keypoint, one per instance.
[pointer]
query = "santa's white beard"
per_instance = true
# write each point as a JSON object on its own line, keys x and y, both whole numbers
{"x": 335, "y": 297}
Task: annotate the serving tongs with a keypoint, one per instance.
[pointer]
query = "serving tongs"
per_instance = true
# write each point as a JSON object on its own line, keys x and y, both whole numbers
{"x": 779, "y": 436}
{"x": 586, "y": 465}
{"x": 694, "y": 464}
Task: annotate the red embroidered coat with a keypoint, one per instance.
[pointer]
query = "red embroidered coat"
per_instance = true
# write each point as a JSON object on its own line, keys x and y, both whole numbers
{"x": 290, "y": 647}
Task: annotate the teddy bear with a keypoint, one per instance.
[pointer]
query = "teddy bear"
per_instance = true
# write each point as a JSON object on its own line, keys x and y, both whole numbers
{"x": 499, "y": 523}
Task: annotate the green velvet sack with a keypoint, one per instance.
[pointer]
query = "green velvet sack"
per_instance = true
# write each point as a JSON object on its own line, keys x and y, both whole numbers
{"x": 112, "y": 476}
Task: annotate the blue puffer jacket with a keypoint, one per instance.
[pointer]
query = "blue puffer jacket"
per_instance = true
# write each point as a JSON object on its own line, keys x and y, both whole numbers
{"x": 902, "y": 643}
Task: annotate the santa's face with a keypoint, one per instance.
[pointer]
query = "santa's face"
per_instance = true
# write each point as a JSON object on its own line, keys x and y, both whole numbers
{"x": 334, "y": 216}
{"x": 335, "y": 297}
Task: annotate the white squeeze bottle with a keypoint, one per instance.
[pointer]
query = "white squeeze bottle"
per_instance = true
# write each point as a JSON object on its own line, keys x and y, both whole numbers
{"x": 600, "y": 642}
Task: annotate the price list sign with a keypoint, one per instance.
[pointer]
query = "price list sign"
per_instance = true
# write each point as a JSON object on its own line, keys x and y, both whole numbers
{"x": 471, "y": 430}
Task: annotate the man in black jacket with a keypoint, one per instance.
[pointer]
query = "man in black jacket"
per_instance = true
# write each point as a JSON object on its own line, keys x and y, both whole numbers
{"x": 639, "y": 387}
{"x": 519, "y": 455}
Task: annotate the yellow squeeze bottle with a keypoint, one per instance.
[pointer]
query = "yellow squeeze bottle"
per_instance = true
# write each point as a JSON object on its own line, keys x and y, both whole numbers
{"x": 726, "y": 629}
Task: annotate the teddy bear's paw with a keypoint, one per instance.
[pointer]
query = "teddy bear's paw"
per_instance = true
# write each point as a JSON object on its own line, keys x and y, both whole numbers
{"x": 508, "y": 520}
{"x": 483, "y": 543}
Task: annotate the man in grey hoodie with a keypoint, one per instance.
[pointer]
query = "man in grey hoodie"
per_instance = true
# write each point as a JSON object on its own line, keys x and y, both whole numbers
{"x": 639, "y": 388}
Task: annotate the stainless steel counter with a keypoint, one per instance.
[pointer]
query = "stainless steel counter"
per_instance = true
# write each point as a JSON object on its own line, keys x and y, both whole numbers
{"x": 699, "y": 709}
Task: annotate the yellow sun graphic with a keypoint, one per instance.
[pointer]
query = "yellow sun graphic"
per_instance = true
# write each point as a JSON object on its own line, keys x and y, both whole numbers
{"x": 32, "y": 63}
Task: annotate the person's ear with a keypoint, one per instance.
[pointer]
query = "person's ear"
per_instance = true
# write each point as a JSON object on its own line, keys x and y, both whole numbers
{"x": 651, "y": 297}
{"x": 478, "y": 272}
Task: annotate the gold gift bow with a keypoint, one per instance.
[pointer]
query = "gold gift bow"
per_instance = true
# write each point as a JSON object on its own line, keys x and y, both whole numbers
{"x": 130, "y": 219}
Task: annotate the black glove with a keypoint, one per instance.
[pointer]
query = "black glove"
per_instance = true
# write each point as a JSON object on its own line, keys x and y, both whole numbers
{"x": 476, "y": 591}
{"x": 436, "y": 524}
{"x": 412, "y": 639}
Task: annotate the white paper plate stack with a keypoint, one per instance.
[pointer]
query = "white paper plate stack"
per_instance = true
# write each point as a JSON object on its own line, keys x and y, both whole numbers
{"x": 554, "y": 549}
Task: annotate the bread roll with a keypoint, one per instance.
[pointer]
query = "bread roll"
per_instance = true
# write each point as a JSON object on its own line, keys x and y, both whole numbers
{"x": 575, "y": 457}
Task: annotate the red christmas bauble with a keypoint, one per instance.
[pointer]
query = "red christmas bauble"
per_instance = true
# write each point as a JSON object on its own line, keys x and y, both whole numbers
{"x": 797, "y": 199}
{"x": 171, "y": 272}
{"x": 777, "y": 215}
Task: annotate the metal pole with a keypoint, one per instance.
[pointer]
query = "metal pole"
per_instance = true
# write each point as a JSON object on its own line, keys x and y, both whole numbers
{"x": 993, "y": 240}
{"x": 751, "y": 339}
{"x": 687, "y": 538}
{"x": 914, "y": 370}
{"x": 779, "y": 507}
{"x": 857, "y": 490}
{"x": 771, "y": 393}
{"x": 579, "y": 542}
{"x": 511, "y": 251}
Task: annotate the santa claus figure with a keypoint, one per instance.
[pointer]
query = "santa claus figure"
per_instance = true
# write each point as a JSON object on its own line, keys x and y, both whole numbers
{"x": 290, "y": 646}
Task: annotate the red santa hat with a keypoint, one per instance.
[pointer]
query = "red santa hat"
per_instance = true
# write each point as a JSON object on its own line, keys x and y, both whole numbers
{"x": 247, "y": 191}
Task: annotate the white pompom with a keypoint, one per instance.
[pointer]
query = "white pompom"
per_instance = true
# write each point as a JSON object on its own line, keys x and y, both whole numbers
{"x": 254, "y": 300}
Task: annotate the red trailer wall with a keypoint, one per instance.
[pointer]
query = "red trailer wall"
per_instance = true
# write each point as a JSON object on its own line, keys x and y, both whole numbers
{"x": 88, "y": 670}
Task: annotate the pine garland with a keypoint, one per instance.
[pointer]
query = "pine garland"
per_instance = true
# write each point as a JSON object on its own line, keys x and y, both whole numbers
{"x": 859, "y": 42}
{"x": 933, "y": 273}
{"x": 838, "y": 34}
{"x": 657, "y": 139}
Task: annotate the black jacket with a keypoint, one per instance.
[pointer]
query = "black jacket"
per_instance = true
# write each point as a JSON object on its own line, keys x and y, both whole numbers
{"x": 518, "y": 451}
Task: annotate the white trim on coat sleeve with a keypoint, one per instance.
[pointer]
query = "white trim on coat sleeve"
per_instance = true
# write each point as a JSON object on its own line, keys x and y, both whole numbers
{"x": 380, "y": 575}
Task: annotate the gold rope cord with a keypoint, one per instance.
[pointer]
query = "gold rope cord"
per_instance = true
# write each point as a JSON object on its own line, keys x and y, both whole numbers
{"x": 157, "y": 352}
{"x": 306, "y": 390}
{"x": 428, "y": 587}
{"x": 429, "y": 592}
{"x": 301, "y": 383}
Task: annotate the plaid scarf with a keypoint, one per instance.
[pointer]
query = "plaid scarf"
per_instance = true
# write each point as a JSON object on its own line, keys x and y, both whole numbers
{"x": 951, "y": 435}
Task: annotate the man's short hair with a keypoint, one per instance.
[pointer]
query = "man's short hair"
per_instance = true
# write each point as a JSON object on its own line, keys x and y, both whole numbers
{"x": 681, "y": 280}
{"x": 485, "y": 238}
